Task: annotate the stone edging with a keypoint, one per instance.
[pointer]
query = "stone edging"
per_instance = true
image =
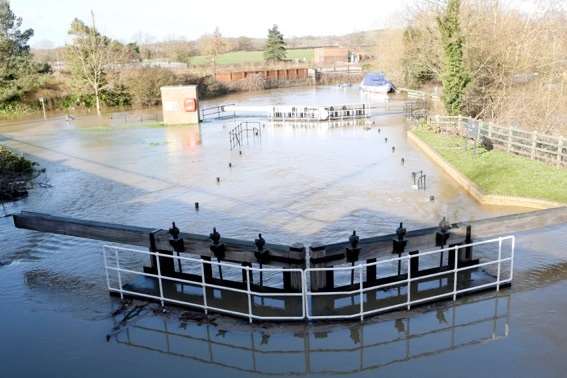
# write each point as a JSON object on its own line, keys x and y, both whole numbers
{"x": 473, "y": 189}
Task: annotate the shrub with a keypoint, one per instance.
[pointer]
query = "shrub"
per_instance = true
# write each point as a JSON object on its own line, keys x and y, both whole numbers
{"x": 144, "y": 84}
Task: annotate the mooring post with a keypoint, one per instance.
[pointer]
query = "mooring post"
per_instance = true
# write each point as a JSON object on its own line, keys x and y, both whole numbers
{"x": 217, "y": 248}
{"x": 352, "y": 253}
{"x": 441, "y": 237}
{"x": 262, "y": 255}
{"x": 399, "y": 244}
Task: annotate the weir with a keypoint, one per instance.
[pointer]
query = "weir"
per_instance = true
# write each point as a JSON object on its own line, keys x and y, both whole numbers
{"x": 266, "y": 281}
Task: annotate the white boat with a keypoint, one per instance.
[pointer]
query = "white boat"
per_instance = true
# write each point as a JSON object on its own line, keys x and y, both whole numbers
{"x": 376, "y": 82}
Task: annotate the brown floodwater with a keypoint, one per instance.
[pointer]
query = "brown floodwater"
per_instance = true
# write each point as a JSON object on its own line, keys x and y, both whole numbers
{"x": 296, "y": 183}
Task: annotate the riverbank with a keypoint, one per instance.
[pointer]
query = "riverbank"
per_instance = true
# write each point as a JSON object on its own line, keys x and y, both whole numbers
{"x": 16, "y": 173}
{"x": 494, "y": 177}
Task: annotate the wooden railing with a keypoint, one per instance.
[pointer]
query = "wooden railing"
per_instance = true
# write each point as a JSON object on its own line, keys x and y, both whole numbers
{"x": 531, "y": 144}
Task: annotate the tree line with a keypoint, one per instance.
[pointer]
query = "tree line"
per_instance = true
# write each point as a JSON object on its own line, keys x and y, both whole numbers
{"x": 99, "y": 71}
{"x": 488, "y": 59}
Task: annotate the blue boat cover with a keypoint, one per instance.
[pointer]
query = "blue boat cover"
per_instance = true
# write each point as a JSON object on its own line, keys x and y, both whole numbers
{"x": 375, "y": 79}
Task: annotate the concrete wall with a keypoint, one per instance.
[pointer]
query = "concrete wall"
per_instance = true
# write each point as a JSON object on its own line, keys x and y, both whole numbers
{"x": 175, "y": 100}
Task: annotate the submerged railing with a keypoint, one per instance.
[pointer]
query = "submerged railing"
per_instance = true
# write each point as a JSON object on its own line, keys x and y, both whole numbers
{"x": 194, "y": 284}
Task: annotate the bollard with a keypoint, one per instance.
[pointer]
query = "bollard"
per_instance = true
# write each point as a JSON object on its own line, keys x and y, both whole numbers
{"x": 262, "y": 255}
{"x": 218, "y": 180}
{"x": 352, "y": 253}
{"x": 177, "y": 243}
{"x": 441, "y": 237}
{"x": 217, "y": 248}
{"x": 197, "y": 206}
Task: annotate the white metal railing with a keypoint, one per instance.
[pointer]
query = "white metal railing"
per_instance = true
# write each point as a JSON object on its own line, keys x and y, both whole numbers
{"x": 204, "y": 285}
{"x": 361, "y": 290}
{"x": 306, "y": 294}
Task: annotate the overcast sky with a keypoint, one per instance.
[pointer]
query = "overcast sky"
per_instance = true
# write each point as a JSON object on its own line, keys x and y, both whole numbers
{"x": 128, "y": 20}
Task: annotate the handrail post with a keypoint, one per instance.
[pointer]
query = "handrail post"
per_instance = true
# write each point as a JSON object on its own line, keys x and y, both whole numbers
{"x": 119, "y": 275}
{"x": 361, "y": 292}
{"x": 159, "y": 278}
{"x": 499, "y": 263}
{"x": 105, "y": 259}
{"x": 409, "y": 284}
{"x": 247, "y": 269}
{"x": 512, "y": 258}
{"x": 204, "y": 286}
{"x": 456, "y": 274}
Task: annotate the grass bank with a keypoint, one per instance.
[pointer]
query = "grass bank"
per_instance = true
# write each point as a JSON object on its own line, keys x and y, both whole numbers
{"x": 497, "y": 172}
{"x": 250, "y": 57}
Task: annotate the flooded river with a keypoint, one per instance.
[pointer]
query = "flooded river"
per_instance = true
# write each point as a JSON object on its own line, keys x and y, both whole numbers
{"x": 293, "y": 183}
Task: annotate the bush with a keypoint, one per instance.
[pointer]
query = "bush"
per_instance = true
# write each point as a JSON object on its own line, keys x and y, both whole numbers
{"x": 10, "y": 163}
{"x": 144, "y": 84}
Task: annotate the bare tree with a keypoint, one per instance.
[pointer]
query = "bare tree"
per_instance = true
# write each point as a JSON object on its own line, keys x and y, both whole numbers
{"x": 90, "y": 57}
{"x": 212, "y": 45}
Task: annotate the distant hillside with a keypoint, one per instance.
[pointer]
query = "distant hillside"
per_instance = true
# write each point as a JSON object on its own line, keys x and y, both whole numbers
{"x": 241, "y": 49}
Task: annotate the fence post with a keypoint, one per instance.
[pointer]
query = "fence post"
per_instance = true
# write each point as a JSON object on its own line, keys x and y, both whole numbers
{"x": 509, "y": 146}
{"x": 534, "y": 142}
{"x": 560, "y": 152}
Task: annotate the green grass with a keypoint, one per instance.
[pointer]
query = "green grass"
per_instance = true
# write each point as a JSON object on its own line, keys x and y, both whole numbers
{"x": 499, "y": 172}
{"x": 249, "y": 57}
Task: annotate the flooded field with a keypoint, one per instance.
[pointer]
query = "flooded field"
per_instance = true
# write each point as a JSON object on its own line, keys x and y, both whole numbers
{"x": 293, "y": 183}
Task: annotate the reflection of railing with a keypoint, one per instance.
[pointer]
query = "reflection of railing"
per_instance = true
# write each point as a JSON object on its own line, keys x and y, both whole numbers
{"x": 367, "y": 350}
{"x": 372, "y": 293}
{"x": 410, "y": 284}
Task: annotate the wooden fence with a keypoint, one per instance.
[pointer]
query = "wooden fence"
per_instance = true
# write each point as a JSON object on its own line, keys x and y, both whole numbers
{"x": 531, "y": 144}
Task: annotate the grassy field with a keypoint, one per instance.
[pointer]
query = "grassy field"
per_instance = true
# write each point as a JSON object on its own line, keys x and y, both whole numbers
{"x": 498, "y": 172}
{"x": 249, "y": 57}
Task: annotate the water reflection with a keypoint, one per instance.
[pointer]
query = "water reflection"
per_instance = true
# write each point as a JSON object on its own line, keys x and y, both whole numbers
{"x": 326, "y": 349}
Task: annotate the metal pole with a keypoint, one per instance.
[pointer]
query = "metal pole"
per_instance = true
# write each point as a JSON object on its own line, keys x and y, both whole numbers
{"x": 409, "y": 284}
{"x": 159, "y": 278}
{"x": 119, "y": 275}
{"x": 249, "y": 294}
{"x": 499, "y": 263}
{"x": 455, "y": 276}
{"x": 203, "y": 285}
{"x": 361, "y": 295}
